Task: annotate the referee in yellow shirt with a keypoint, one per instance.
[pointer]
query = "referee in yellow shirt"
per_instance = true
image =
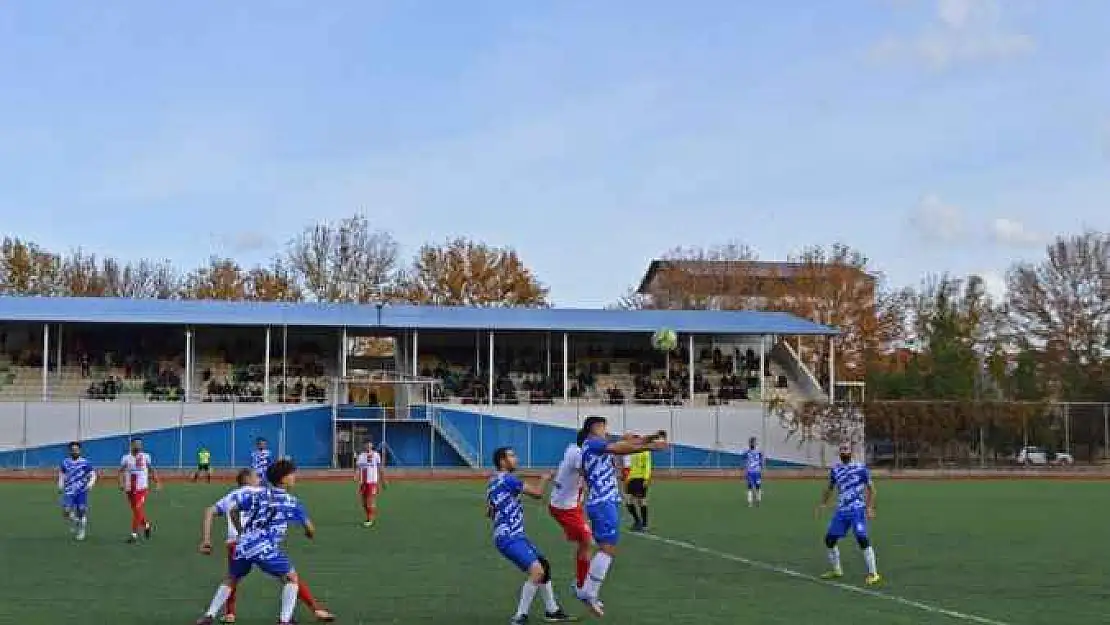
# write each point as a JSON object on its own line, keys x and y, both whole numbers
{"x": 639, "y": 477}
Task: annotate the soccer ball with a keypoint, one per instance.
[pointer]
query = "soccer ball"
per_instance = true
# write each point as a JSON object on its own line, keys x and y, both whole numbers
{"x": 664, "y": 340}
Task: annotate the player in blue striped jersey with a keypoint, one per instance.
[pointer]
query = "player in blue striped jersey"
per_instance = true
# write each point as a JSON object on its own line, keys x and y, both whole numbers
{"x": 263, "y": 519}
{"x": 855, "y": 506}
{"x": 261, "y": 459}
{"x": 754, "y": 463}
{"x": 503, "y": 492}
{"x": 603, "y": 497}
{"x": 75, "y": 478}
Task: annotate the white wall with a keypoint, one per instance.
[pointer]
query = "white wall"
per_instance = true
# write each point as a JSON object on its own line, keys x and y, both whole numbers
{"x": 724, "y": 428}
{"x": 50, "y": 423}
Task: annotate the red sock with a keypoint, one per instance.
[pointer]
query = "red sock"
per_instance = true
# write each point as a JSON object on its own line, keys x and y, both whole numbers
{"x": 229, "y": 607}
{"x": 305, "y": 595}
{"x": 136, "y": 523}
{"x": 581, "y": 570}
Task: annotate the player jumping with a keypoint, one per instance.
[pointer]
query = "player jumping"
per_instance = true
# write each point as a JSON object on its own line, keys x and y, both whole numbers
{"x": 565, "y": 506}
{"x": 603, "y": 498}
{"x": 370, "y": 477}
{"x": 75, "y": 478}
{"x": 136, "y": 472}
{"x": 503, "y": 507}
{"x": 855, "y": 505}
{"x": 754, "y": 463}
{"x": 261, "y": 516}
{"x": 246, "y": 480}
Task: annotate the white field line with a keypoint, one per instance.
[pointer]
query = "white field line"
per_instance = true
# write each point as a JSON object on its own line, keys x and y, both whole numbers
{"x": 867, "y": 592}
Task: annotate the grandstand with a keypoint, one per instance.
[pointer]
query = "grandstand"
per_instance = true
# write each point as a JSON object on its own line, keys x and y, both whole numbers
{"x": 437, "y": 386}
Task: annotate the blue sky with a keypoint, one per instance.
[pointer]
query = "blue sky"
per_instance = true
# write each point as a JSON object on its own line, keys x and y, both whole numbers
{"x": 950, "y": 135}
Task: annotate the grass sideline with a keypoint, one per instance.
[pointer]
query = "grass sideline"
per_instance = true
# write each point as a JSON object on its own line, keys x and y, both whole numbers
{"x": 1022, "y": 552}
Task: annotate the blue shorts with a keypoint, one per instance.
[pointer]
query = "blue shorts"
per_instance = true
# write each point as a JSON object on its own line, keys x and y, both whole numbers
{"x": 842, "y": 522}
{"x": 520, "y": 551}
{"x": 76, "y": 501}
{"x": 605, "y": 521}
{"x": 275, "y": 564}
{"x": 755, "y": 480}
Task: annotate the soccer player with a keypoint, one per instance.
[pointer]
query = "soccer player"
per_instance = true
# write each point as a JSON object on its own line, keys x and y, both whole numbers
{"x": 754, "y": 463}
{"x": 565, "y": 506}
{"x": 855, "y": 505}
{"x": 75, "y": 478}
{"x": 503, "y": 507}
{"x": 261, "y": 458}
{"x": 136, "y": 472}
{"x": 204, "y": 465}
{"x": 261, "y": 517}
{"x": 603, "y": 498}
{"x": 639, "y": 477}
{"x": 247, "y": 479}
{"x": 370, "y": 476}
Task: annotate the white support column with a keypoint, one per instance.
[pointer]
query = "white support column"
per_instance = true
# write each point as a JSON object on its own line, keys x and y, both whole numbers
{"x": 566, "y": 367}
{"x": 832, "y": 369}
{"x": 58, "y": 362}
{"x": 477, "y": 353}
{"x": 188, "y": 364}
{"x": 762, "y": 367}
{"x": 284, "y": 364}
{"x": 690, "y": 371}
{"x": 266, "y": 370}
{"x": 45, "y": 361}
{"x": 491, "y": 368}
{"x": 415, "y": 353}
{"x": 343, "y": 353}
{"x": 547, "y": 351}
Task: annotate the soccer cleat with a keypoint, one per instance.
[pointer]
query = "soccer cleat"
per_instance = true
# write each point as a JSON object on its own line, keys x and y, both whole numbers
{"x": 872, "y": 580}
{"x": 833, "y": 574}
{"x": 132, "y": 539}
{"x": 323, "y": 616}
{"x": 368, "y": 524}
{"x": 227, "y": 618}
{"x": 519, "y": 619}
{"x": 593, "y": 604}
{"x": 206, "y": 620}
{"x": 147, "y": 530}
{"x": 80, "y": 535}
{"x": 558, "y": 616}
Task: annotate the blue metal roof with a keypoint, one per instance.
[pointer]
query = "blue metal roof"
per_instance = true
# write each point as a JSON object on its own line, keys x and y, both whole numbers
{"x": 402, "y": 317}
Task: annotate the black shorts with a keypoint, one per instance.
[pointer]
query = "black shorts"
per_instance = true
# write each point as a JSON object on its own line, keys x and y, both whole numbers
{"x": 637, "y": 487}
{"x": 203, "y": 467}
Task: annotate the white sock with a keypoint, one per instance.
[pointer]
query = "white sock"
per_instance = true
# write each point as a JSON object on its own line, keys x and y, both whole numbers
{"x": 288, "y": 602}
{"x": 547, "y": 591}
{"x": 82, "y": 524}
{"x": 834, "y": 558}
{"x": 218, "y": 600}
{"x": 869, "y": 558}
{"x": 750, "y": 498}
{"x": 527, "y": 593}
{"x": 599, "y": 567}
{"x": 758, "y": 496}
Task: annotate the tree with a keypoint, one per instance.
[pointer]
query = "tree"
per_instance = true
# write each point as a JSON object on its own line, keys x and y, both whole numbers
{"x": 275, "y": 283}
{"x": 27, "y": 269}
{"x": 344, "y": 262}
{"x": 143, "y": 279}
{"x": 82, "y": 276}
{"x": 220, "y": 279}
{"x": 727, "y": 277}
{"x": 1059, "y": 307}
{"x": 462, "y": 272}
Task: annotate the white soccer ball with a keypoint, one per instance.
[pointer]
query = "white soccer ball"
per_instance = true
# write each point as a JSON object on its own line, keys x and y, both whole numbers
{"x": 664, "y": 340}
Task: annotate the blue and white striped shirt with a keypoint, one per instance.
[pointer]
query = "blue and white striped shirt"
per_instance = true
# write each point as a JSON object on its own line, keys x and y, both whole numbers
{"x": 850, "y": 481}
{"x": 503, "y": 496}
{"x": 77, "y": 475}
{"x": 266, "y": 514}
{"x": 599, "y": 473}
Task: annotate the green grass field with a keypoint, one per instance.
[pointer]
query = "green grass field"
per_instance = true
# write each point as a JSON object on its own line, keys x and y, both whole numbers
{"x": 1016, "y": 553}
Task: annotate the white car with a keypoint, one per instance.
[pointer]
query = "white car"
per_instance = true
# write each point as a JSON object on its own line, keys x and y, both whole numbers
{"x": 1039, "y": 457}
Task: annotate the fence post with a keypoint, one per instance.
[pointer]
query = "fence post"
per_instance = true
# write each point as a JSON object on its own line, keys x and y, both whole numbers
{"x": 528, "y": 424}
{"x": 1067, "y": 428}
{"x": 26, "y": 443}
{"x": 717, "y": 446}
{"x": 231, "y": 450}
{"x": 282, "y": 451}
{"x": 481, "y": 439}
{"x": 1105, "y": 430}
{"x": 78, "y": 420}
{"x": 672, "y": 434}
{"x": 982, "y": 447}
{"x": 181, "y": 437}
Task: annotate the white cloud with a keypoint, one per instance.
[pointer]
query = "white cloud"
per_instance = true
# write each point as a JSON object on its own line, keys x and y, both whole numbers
{"x": 959, "y": 31}
{"x": 1014, "y": 233}
{"x": 934, "y": 220}
{"x": 994, "y": 282}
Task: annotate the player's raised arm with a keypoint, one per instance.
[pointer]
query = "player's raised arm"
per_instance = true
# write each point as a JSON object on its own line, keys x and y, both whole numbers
{"x": 636, "y": 444}
{"x": 538, "y": 490}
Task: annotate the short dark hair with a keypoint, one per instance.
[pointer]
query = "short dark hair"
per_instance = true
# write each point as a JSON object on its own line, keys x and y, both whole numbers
{"x": 279, "y": 470}
{"x": 588, "y": 425}
{"x": 259, "y": 440}
{"x": 74, "y": 444}
{"x": 499, "y": 455}
{"x": 242, "y": 476}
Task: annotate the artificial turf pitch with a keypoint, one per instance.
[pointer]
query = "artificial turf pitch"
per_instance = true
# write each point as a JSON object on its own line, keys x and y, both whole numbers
{"x": 999, "y": 552}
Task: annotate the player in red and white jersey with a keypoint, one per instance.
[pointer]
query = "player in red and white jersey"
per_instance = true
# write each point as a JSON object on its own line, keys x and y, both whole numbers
{"x": 565, "y": 506}
{"x": 370, "y": 476}
{"x": 136, "y": 473}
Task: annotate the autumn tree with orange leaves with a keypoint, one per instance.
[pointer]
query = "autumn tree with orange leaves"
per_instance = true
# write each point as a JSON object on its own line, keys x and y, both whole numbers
{"x": 462, "y": 272}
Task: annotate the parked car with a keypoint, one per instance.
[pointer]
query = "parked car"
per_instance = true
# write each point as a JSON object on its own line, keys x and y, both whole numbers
{"x": 1037, "y": 456}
